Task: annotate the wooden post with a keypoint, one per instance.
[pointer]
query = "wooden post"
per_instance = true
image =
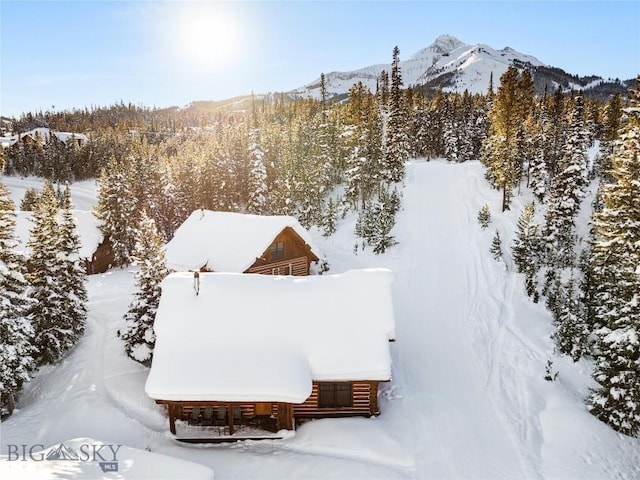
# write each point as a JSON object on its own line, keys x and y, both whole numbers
{"x": 230, "y": 418}
{"x": 285, "y": 416}
{"x": 373, "y": 399}
{"x": 172, "y": 418}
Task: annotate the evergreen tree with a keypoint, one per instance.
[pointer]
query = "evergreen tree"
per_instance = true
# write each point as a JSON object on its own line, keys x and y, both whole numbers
{"x": 73, "y": 276}
{"x": 610, "y": 127}
{"x": 538, "y": 173}
{"x": 567, "y": 191}
{"x": 29, "y": 200}
{"x": 571, "y": 331}
{"x": 258, "y": 189}
{"x": 16, "y": 329}
{"x": 55, "y": 330}
{"x": 500, "y": 151}
{"x": 616, "y": 263}
{"x": 323, "y": 91}
{"x": 396, "y": 148}
{"x": 496, "y": 246}
{"x": 116, "y": 210}
{"x": 490, "y": 92}
{"x": 555, "y": 131}
{"x": 330, "y": 218}
{"x": 484, "y": 216}
{"x": 364, "y": 169}
{"x": 139, "y": 337}
{"x": 376, "y": 221}
{"x": 526, "y": 249}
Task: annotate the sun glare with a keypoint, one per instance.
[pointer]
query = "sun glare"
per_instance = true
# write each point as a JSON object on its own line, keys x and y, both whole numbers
{"x": 206, "y": 37}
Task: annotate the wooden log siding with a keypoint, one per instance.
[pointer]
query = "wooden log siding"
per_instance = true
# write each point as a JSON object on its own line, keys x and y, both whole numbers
{"x": 295, "y": 251}
{"x": 297, "y": 266}
{"x": 101, "y": 260}
{"x": 364, "y": 402}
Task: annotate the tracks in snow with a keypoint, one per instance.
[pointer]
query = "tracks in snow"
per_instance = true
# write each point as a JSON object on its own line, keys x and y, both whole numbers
{"x": 459, "y": 350}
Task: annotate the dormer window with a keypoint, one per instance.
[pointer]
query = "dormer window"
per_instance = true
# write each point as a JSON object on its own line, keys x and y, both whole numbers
{"x": 277, "y": 251}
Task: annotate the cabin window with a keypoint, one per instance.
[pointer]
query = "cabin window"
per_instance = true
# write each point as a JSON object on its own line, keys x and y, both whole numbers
{"x": 334, "y": 395}
{"x": 277, "y": 251}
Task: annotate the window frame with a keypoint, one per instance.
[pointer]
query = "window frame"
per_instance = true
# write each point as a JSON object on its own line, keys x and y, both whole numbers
{"x": 331, "y": 395}
{"x": 277, "y": 251}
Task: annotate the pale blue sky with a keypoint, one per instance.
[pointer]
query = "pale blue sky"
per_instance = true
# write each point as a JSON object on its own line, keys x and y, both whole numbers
{"x": 79, "y": 53}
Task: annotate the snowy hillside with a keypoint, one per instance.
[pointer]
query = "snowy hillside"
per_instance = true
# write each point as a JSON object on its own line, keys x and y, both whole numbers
{"x": 467, "y": 400}
{"x": 457, "y": 66}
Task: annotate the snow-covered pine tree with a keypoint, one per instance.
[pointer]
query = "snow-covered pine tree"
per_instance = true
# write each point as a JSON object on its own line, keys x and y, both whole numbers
{"x": 396, "y": 147}
{"x": 116, "y": 210}
{"x": 16, "y": 329}
{"x": 610, "y": 127}
{"x": 30, "y": 198}
{"x": 54, "y": 330}
{"x": 452, "y": 129}
{"x": 538, "y": 174}
{"x": 567, "y": 191}
{"x": 384, "y": 212}
{"x": 258, "y": 189}
{"x": 149, "y": 255}
{"x": 571, "y": 331}
{"x": 73, "y": 274}
{"x": 330, "y": 218}
{"x": 166, "y": 201}
{"x": 376, "y": 221}
{"x": 616, "y": 266}
{"x": 526, "y": 249}
{"x": 361, "y": 136}
{"x": 496, "y": 246}
{"x": 484, "y": 216}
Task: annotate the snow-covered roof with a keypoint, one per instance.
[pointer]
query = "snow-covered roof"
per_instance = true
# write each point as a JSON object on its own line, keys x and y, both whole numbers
{"x": 249, "y": 337}
{"x": 226, "y": 241}
{"x": 44, "y": 134}
{"x": 86, "y": 229}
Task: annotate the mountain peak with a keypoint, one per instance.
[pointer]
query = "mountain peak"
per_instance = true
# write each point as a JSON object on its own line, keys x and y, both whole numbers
{"x": 450, "y": 64}
{"x": 445, "y": 44}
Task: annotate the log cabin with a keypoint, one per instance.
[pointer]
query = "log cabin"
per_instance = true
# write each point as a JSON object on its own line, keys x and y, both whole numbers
{"x": 247, "y": 356}
{"x": 42, "y": 136}
{"x": 241, "y": 243}
{"x": 95, "y": 251}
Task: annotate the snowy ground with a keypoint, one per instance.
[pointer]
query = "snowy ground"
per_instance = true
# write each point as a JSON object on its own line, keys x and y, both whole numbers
{"x": 467, "y": 400}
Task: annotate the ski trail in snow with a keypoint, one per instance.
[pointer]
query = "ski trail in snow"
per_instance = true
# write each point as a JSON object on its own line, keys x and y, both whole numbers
{"x": 459, "y": 432}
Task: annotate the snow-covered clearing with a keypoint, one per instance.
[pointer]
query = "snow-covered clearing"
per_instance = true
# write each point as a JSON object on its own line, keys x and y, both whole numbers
{"x": 84, "y": 195}
{"x": 467, "y": 400}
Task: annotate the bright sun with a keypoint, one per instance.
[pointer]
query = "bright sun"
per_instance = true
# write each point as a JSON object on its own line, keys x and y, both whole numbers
{"x": 208, "y": 40}
{"x": 206, "y": 36}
